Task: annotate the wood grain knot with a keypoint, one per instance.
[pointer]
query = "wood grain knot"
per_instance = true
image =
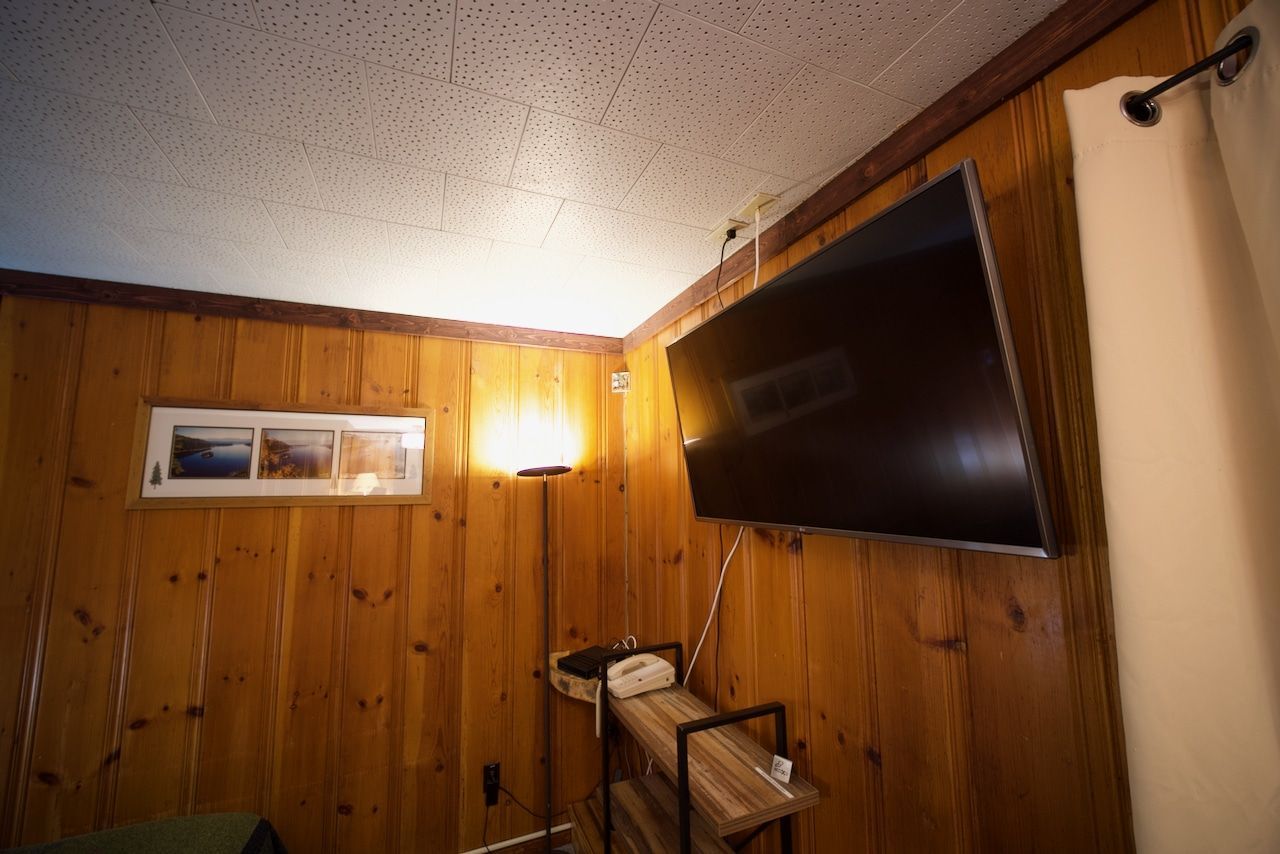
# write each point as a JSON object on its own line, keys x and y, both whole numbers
{"x": 82, "y": 482}
{"x": 49, "y": 778}
{"x": 1017, "y": 616}
{"x": 874, "y": 756}
{"x": 195, "y": 711}
{"x": 421, "y": 647}
{"x": 437, "y": 515}
{"x": 344, "y": 809}
{"x": 111, "y": 757}
{"x": 360, "y": 593}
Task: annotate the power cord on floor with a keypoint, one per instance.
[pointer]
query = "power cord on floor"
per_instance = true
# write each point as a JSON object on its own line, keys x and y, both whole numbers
{"x": 518, "y": 803}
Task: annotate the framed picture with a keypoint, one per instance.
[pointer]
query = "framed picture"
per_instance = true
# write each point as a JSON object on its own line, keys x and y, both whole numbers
{"x": 236, "y": 453}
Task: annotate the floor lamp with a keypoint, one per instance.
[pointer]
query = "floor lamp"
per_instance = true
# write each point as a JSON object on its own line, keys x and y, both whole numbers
{"x": 546, "y": 473}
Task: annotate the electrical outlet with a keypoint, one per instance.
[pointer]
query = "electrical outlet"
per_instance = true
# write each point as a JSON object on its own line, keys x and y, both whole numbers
{"x": 491, "y": 783}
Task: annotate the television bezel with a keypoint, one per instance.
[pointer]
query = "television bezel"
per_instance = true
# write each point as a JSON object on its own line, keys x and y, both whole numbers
{"x": 1013, "y": 380}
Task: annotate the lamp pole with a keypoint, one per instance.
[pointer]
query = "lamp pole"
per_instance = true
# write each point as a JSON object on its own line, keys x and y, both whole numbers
{"x": 546, "y": 473}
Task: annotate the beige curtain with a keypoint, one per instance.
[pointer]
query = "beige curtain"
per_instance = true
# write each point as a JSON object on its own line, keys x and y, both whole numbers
{"x": 1180, "y": 238}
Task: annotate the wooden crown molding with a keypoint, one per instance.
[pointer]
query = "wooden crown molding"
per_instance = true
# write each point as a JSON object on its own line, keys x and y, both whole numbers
{"x": 71, "y": 289}
{"x": 1068, "y": 28}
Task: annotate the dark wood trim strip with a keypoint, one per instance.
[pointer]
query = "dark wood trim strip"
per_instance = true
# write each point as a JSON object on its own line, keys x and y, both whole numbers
{"x": 71, "y": 289}
{"x": 1068, "y": 28}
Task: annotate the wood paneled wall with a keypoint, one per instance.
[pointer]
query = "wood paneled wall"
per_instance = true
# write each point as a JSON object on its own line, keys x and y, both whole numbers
{"x": 343, "y": 671}
{"x": 941, "y": 700}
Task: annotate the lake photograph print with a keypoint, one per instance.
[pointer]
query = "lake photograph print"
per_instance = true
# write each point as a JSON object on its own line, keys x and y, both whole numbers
{"x": 211, "y": 452}
{"x": 303, "y": 454}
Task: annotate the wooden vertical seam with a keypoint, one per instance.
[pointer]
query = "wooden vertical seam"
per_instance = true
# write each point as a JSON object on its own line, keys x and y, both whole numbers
{"x": 37, "y": 633}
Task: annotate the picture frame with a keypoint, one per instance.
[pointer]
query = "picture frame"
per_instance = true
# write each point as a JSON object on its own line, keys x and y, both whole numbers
{"x": 235, "y": 453}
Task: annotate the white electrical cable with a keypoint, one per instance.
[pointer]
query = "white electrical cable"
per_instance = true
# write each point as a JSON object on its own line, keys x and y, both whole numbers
{"x": 711, "y": 612}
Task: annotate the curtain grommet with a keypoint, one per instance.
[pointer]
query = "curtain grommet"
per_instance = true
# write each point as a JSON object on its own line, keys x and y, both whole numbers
{"x": 1229, "y": 69}
{"x": 1143, "y": 113}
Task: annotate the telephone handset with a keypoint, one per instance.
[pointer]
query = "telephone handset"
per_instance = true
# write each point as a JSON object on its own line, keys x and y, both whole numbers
{"x": 638, "y": 674}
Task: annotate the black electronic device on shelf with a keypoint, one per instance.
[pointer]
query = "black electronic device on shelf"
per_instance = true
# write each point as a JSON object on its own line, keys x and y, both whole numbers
{"x": 585, "y": 663}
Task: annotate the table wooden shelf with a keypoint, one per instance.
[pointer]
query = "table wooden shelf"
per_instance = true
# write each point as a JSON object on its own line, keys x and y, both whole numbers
{"x": 728, "y": 782}
{"x": 645, "y": 821}
{"x": 714, "y": 777}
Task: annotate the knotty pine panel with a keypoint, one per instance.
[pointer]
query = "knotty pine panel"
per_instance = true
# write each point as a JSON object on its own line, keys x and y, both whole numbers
{"x": 199, "y": 660}
{"x": 950, "y": 700}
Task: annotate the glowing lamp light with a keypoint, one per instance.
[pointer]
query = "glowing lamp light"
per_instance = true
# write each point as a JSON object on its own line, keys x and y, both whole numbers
{"x": 366, "y": 483}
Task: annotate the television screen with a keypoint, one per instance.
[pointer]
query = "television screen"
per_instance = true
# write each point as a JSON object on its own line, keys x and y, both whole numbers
{"x": 872, "y": 390}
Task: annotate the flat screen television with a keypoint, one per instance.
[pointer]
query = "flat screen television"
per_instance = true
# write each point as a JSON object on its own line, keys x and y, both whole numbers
{"x": 871, "y": 390}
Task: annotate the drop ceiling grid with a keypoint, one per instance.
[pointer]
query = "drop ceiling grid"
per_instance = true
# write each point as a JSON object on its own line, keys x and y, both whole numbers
{"x": 659, "y": 120}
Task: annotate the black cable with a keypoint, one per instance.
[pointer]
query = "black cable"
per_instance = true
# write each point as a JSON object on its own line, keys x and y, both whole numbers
{"x": 728, "y": 235}
{"x": 536, "y": 815}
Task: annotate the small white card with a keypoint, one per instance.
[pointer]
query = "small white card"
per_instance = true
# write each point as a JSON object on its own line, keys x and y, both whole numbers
{"x": 781, "y": 769}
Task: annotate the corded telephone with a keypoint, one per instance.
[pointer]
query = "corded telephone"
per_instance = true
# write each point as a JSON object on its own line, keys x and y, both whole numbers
{"x": 638, "y": 674}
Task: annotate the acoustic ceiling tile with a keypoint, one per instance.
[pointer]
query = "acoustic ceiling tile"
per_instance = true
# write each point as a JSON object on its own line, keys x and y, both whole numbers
{"x": 694, "y": 189}
{"x": 439, "y": 251}
{"x": 116, "y": 50}
{"x": 235, "y": 11}
{"x": 68, "y": 193}
{"x": 261, "y": 83}
{"x": 565, "y": 56}
{"x": 383, "y": 287}
{"x": 205, "y": 213}
{"x": 378, "y": 189}
{"x": 189, "y": 253}
{"x": 730, "y": 14}
{"x": 610, "y": 297}
{"x": 622, "y": 236}
{"x": 293, "y": 276}
{"x": 76, "y": 131}
{"x": 695, "y": 85}
{"x": 579, "y": 160}
{"x": 529, "y": 268}
{"x": 413, "y": 35}
{"x": 328, "y": 233}
{"x": 802, "y": 137}
{"x": 435, "y": 125}
{"x": 42, "y": 236}
{"x": 973, "y": 33}
{"x": 500, "y": 213}
{"x": 234, "y": 161}
{"x": 857, "y": 39}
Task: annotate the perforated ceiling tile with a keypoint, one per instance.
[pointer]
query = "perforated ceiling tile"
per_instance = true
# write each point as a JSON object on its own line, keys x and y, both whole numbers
{"x": 378, "y": 189}
{"x": 382, "y": 287}
{"x": 611, "y": 297}
{"x": 290, "y": 275}
{"x": 565, "y": 56}
{"x": 413, "y": 35}
{"x": 234, "y": 161}
{"x": 579, "y": 160}
{"x": 54, "y": 237}
{"x": 235, "y": 11}
{"x": 856, "y": 39}
{"x": 111, "y": 49}
{"x": 695, "y": 85}
{"x": 730, "y": 14}
{"x": 328, "y": 233}
{"x": 66, "y": 192}
{"x": 262, "y": 83}
{"x": 76, "y": 131}
{"x": 622, "y": 236}
{"x": 439, "y": 251}
{"x": 695, "y": 189}
{"x": 973, "y": 33}
{"x": 530, "y": 269}
{"x": 185, "y": 252}
{"x": 445, "y": 128}
{"x": 801, "y": 136}
{"x": 206, "y": 213}
{"x": 500, "y": 213}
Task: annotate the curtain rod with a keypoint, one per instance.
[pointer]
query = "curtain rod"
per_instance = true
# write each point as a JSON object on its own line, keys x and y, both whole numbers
{"x": 1141, "y": 107}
